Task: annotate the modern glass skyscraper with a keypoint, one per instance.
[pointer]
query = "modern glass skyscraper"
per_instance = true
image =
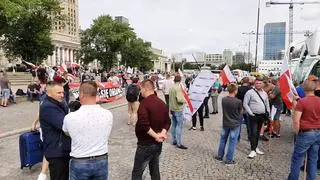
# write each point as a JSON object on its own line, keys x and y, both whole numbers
{"x": 274, "y": 40}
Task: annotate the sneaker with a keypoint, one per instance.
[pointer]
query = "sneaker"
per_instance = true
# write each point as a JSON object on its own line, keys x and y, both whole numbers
{"x": 193, "y": 128}
{"x": 182, "y": 147}
{"x": 42, "y": 176}
{"x": 218, "y": 158}
{"x": 230, "y": 162}
{"x": 201, "y": 128}
{"x": 252, "y": 154}
{"x": 259, "y": 152}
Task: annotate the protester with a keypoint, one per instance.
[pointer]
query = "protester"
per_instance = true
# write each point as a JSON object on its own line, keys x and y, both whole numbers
{"x": 214, "y": 96}
{"x": 176, "y": 104}
{"x": 205, "y": 104}
{"x": 34, "y": 90}
{"x": 232, "y": 110}
{"x": 300, "y": 90}
{"x": 89, "y": 129}
{"x": 151, "y": 130}
{"x": 5, "y": 90}
{"x": 66, "y": 88}
{"x": 167, "y": 84}
{"x": 306, "y": 126}
{"x": 132, "y": 95}
{"x": 55, "y": 143}
{"x": 256, "y": 103}
{"x": 317, "y": 91}
{"x": 242, "y": 90}
{"x": 276, "y": 108}
{"x": 113, "y": 78}
{"x": 194, "y": 118}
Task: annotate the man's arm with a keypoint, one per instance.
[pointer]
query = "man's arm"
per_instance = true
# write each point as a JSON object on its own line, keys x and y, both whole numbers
{"x": 180, "y": 98}
{"x": 296, "y": 121}
{"x": 52, "y": 116}
{"x": 267, "y": 104}
{"x": 246, "y": 103}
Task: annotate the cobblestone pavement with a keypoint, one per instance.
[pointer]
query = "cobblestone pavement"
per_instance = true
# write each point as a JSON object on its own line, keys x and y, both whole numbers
{"x": 195, "y": 163}
{"x": 21, "y": 115}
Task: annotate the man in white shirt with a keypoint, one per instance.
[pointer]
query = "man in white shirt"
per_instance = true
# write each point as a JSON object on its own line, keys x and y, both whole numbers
{"x": 89, "y": 129}
{"x": 167, "y": 84}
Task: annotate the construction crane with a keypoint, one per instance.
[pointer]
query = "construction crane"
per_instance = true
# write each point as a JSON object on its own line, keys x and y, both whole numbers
{"x": 291, "y": 3}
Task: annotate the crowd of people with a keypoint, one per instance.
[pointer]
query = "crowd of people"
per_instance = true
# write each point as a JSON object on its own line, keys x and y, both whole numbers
{"x": 76, "y": 141}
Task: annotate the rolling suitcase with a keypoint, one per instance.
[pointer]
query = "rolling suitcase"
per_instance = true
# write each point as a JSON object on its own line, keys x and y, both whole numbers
{"x": 31, "y": 150}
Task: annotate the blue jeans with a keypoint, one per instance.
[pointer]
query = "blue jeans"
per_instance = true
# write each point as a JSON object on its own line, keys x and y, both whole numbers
{"x": 147, "y": 154}
{"x": 88, "y": 169}
{"x": 177, "y": 125}
{"x": 306, "y": 142}
{"x": 233, "y": 139}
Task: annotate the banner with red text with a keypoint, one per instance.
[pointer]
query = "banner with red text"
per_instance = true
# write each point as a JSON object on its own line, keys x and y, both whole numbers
{"x": 107, "y": 91}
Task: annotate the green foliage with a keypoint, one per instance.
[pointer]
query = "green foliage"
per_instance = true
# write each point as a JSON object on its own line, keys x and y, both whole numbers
{"x": 221, "y": 66}
{"x": 26, "y": 28}
{"x": 137, "y": 53}
{"x": 104, "y": 40}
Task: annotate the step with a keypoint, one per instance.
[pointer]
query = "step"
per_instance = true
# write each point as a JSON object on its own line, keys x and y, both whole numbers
{"x": 20, "y": 99}
{"x": 20, "y": 84}
{"x": 19, "y": 80}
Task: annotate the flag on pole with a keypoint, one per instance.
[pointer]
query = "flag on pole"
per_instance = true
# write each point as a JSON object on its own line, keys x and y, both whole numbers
{"x": 227, "y": 76}
{"x": 287, "y": 89}
{"x": 185, "y": 93}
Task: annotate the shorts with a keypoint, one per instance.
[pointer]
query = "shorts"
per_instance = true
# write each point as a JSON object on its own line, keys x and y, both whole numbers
{"x": 276, "y": 112}
{"x": 5, "y": 93}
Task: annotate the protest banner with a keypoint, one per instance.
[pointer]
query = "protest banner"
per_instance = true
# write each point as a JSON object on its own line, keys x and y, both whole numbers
{"x": 198, "y": 91}
{"x": 107, "y": 91}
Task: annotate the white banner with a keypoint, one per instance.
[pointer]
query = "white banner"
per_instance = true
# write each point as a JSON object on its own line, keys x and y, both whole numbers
{"x": 198, "y": 91}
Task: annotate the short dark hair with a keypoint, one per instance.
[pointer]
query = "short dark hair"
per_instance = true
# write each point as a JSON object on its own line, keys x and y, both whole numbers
{"x": 148, "y": 84}
{"x": 245, "y": 80}
{"x": 177, "y": 79}
{"x": 232, "y": 88}
{"x": 89, "y": 88}
{"x": 51, "y": 84}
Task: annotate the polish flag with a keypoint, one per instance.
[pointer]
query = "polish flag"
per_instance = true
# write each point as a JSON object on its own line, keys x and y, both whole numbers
{"x": 227, "y": 76}
{"x": 71, "y": 77}
{"x": 287, "y": 89}
{"x": 185, "y": 93}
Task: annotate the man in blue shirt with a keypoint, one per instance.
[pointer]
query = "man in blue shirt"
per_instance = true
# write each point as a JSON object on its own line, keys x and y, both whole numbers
{"x": 56, "y": 144}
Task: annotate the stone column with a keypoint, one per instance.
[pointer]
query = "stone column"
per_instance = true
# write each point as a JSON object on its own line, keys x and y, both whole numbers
{"x": 58, "y": 56}
{"x": 53, "y": 60}
{"x": 71, "y": 55}
{"x": 63, "y": 56}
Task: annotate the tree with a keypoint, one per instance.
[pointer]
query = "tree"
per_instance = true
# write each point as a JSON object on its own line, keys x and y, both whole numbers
{"x": 26, "y": 28}
{"x": 221, "y": 66}
{"x": 104, "y": 40}
{"x": 137, "y": 53}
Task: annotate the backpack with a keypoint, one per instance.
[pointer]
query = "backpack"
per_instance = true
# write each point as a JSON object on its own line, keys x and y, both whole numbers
{"x": 133, "y": 92}
{"x": 219, "y": 88}
{"x": 20, "y": 92}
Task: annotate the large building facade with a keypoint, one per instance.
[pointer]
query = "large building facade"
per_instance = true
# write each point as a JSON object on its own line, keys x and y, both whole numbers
{"x": 274, "y": 40}
{"x": 214, "y": 59}
{"x": 65, "y": 35}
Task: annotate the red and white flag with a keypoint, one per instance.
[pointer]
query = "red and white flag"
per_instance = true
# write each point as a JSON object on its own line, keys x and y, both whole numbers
{"x": 227, "y": 76}
{"x": 287, "y": 89}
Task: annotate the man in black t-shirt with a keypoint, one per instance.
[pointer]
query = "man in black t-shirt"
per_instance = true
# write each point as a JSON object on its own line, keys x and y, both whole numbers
{"x": 34, "y": 91}
{"x": 232, "y": 110}
{"x": 242, "y": 90}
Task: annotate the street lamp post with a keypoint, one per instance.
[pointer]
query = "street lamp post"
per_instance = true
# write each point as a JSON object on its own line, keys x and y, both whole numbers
{"x": 257, "y": 38}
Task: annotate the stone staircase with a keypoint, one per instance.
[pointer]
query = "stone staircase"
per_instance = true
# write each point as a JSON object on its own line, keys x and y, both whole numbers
{"x": 20, "y": 79}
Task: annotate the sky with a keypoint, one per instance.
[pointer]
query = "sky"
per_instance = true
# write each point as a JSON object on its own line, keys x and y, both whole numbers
{"x": 199, "y": 25}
